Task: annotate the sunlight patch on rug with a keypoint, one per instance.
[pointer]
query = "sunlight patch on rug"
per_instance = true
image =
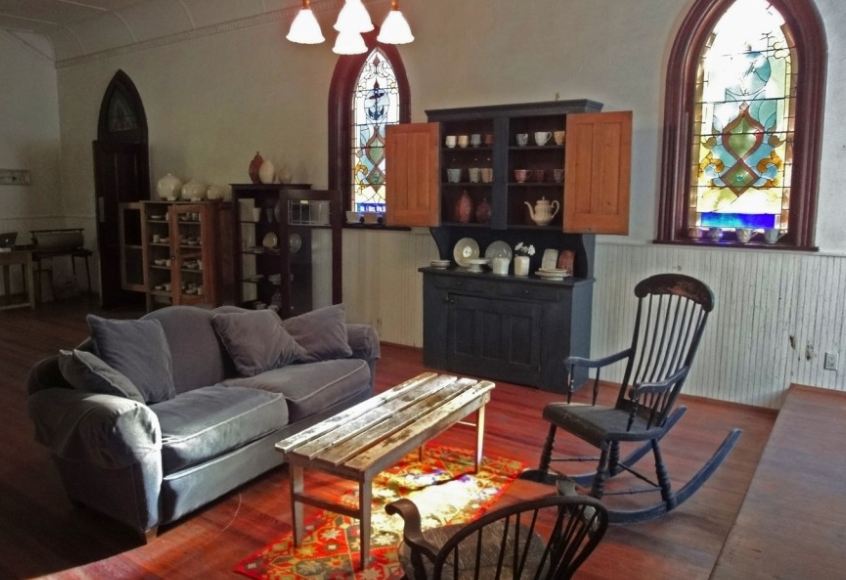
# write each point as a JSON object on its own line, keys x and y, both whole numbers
{"x": 444, "y": 489}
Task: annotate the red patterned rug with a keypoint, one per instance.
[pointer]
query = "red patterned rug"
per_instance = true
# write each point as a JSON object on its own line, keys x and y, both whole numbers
{"x": 444, "y": 489}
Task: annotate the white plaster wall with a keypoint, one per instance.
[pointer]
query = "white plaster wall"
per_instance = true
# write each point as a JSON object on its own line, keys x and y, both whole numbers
{"x": 29, "y": 138}
{"x": 212, "y": 100}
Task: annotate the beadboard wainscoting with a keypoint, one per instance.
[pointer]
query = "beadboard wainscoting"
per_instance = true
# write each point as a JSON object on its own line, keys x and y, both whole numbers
{"x": 777, "y": 312}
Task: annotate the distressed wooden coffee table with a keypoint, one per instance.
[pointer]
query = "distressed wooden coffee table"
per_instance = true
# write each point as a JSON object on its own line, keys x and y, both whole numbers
{"x": 364, "y": 440}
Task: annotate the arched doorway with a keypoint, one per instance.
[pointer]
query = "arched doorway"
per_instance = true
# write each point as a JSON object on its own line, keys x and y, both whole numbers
{"x": 121, "y": 174}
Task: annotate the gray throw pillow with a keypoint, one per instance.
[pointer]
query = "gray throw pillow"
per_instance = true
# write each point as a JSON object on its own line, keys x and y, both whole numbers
{"x": 87, "y": 372}
{"x": 322, "y": 333}
{"x": 139, "y": 350}
{"x": 256, "y": 341}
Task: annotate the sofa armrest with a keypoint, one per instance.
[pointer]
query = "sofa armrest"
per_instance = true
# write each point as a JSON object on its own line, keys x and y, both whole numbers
{"x": 107, "y": 431}
{"x": 364, "y": 342}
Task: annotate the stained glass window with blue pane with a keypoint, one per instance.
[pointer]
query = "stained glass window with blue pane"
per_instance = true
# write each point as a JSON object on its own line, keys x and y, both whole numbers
{"x": 743, "y": 121}
{"x": 375, "y": 104}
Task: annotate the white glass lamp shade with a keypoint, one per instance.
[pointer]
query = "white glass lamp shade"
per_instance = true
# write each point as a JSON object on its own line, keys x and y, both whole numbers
{"x": 305, "y": 29}
{"x": 349, "y": 43}
{"x": 353, "y": 17}
{"x": 395, "y": 29}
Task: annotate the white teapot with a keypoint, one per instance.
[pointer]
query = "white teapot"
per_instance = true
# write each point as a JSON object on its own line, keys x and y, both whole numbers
{"x": 544, "y": 211}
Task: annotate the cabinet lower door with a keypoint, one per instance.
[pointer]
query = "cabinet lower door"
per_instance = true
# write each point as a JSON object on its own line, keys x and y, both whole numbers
{"x": 494, "y": 338}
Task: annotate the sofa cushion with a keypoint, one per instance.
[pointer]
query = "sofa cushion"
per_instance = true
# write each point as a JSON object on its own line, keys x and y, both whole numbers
{"x": 139, "y": 350}
{"x": 312, "y": 387}
{"x": 199, "y": 359}
{"x": 322, "y": 333}
{"x": 210, "y": 421}
{"x": 256, "y": 341}
{"x": 86, "y": 371}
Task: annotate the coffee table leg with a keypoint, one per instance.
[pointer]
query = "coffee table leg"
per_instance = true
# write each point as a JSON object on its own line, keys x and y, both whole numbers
{"x": 480, "y": 435}
{"x": 296, "y": 506}
{"x": 365, "y": 495}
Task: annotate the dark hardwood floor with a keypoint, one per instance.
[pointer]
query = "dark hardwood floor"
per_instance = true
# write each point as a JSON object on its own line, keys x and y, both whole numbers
{"x": 41, "y": 533}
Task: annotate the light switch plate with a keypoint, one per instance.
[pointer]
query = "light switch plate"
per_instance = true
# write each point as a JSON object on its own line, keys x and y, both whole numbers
{"x": 14, "y": 177}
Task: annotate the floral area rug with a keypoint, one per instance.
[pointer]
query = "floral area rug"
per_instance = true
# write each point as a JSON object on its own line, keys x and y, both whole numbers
{"x": 444, "y": 489}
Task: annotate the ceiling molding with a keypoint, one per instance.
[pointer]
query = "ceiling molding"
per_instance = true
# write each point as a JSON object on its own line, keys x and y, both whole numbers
{"x": 15, "y": 35}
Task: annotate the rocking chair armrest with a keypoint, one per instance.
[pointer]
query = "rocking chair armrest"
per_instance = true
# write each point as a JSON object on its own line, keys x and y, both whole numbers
{"x": 578, "y": 361}
{"x": 658, "y": 387}
{"x": 412, "y": 533}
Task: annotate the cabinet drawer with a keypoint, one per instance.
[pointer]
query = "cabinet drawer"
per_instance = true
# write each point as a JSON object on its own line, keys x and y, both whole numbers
{"x": 462, "y": 284}
{"x": 530, "y": 293}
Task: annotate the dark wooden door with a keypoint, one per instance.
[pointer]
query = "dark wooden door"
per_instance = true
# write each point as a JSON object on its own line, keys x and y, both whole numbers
{"x": 496, "y": 338}
{"x": 121, "y": 173}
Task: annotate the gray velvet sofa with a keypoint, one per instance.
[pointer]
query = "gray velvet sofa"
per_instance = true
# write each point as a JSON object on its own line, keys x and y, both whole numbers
{"x": 148, "y": 465}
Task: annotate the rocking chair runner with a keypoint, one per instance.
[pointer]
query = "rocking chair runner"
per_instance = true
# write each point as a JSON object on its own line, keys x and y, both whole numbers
{"x": 547, "y": 538}
{"x": 671, "y": 314}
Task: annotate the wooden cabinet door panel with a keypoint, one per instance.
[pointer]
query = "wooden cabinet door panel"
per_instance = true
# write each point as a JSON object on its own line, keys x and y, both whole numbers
{"x": 597, "y": 173}
{"x": 412, "y": 174}
{"x": 494, "y": 338}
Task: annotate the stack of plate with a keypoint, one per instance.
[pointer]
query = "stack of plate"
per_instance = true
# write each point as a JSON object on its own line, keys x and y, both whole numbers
{"x": 440, "y": 264}
{"x": 552, "y": 273}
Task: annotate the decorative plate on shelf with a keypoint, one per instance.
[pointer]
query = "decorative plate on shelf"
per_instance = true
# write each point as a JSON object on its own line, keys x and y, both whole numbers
{"x": 440, "y": 264}
{"x": 498, "y": 249}
{"x": 270, "y": 241}
{"x": 465, "y": 249}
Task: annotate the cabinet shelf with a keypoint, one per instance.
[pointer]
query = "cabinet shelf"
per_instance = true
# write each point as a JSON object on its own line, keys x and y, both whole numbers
{"x": 465, "y": 184}
{"x": 482, "y": 149}
{"x": 527, "y": 184}
{"x": 536, "y": 148}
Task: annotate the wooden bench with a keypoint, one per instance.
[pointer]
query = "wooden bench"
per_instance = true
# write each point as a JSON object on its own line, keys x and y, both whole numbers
{"x": 364, "y": 440}
{"x": 792, "y": 523}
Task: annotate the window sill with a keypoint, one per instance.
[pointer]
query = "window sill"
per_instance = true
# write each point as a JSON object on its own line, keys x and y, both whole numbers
{"x": 377, "y": 227}
{"x": 752, "y": 245}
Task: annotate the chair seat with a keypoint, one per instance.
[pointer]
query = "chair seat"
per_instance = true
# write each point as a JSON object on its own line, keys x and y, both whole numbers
{"x": 595, "y": 423}
{"x": 491, "y": 550}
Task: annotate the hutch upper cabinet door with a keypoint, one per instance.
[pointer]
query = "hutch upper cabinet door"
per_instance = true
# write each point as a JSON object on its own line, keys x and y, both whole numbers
{"x": 597, "y": 171}
{"x": 413, "y": 174}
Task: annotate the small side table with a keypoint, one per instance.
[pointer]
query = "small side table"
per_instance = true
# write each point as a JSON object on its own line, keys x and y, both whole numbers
{"x": 22, "y": 258}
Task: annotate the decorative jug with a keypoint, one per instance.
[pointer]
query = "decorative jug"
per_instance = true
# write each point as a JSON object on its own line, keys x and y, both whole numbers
{"x": 169, "y": 187}
{"x": 463, "y": 208}
{"x": 255, "y": 165}
{"x": 544, "y": 211}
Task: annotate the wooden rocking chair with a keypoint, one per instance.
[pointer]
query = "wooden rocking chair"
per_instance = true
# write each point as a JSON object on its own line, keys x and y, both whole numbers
{"x": 544, "y": 539}
{"x": 671, "y": 314}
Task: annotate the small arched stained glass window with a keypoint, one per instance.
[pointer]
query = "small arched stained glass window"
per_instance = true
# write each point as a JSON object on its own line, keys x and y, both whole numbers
{"x": 743, "y": 125}
{"x": 375, "y": 105}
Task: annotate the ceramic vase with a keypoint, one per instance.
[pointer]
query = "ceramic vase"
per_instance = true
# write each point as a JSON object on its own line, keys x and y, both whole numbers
{"x": 169, "y": 187}
{"x": 255, "y": 165}
{"x": 463, "y": 208}
{"x": 521, "y": 265}
{"x": 267, "y": 172}
{"x": 215, "y": 192}
{"x": 483, "y": 212}
{"x": 194, "y": 190}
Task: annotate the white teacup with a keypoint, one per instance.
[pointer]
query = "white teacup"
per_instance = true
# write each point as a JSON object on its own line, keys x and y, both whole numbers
{"x": 451, "y": 141}
{"x": 475, "y": 174}
{"x": 772, "y": 235}
{"x": 454, "y": 175}
{"x": 522, "y": 139}
{"x": 476, "y": 139}
{"x": 463, "y": 141}
{"x": 743, "y": 235}
{"x": 542, "y": 138}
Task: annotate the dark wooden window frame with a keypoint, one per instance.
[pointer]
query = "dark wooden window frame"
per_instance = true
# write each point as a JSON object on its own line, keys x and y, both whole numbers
{"x": 121, "y": 83}
{"x": 340, "y": 113}
{"x": 806, "y": 27}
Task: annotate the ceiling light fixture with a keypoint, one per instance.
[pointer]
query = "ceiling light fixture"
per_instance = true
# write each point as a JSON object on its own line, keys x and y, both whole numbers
{"x": 305, "y": 29}
{"x": 352, "y": 21}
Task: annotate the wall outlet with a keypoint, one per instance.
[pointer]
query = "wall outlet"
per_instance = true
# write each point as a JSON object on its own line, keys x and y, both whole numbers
{"x": 830, "y": 361}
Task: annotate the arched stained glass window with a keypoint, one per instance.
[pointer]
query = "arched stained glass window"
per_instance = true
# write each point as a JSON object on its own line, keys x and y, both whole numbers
{"x": 743, "y": 129}
{"x": 375, "y": 105}
{"x": 743, "y": 122}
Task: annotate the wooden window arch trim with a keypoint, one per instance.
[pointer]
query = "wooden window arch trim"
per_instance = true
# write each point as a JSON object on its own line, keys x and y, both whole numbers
{"x": 806, "y": 27}
{"x": 340, "y": 113}
{"x": 123, "y": 84}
